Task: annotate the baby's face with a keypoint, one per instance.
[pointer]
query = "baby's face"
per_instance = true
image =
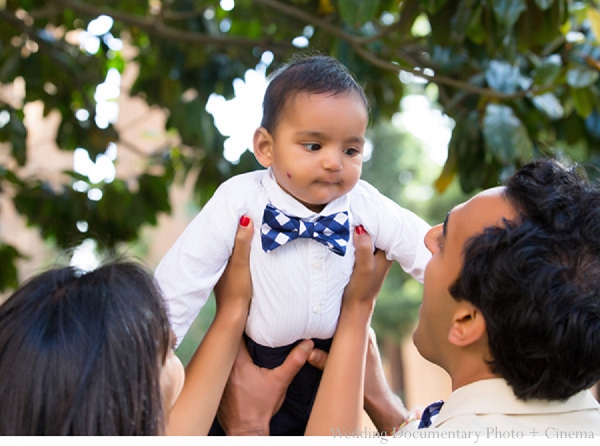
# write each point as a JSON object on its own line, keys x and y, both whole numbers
{"x": 317, "y": 147}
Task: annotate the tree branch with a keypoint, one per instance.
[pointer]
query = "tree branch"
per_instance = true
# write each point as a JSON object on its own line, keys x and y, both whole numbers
{"x": 357, "y": 45}
{"x": 32, "y": 34}
{"x": 152, "y": 25}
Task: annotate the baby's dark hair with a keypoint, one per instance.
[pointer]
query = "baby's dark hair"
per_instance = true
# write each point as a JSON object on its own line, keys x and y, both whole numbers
{"x": 306, "y": 74}
{"x": 536, "y": 281}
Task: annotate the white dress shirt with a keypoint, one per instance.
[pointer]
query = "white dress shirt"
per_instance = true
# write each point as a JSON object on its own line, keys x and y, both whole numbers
{"x": 490, "y": 408}
{"x": 297, "y": 288}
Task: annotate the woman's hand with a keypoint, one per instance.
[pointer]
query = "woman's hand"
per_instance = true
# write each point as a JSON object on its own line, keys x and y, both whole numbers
{"x": 370, "y": 270}
{"x": 340, "y": 398}
{"x": 209, "y": 368}
{"x": 233, "y": 291}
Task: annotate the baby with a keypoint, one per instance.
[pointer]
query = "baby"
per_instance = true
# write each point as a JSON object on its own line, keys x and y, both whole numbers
{"x": 304, "y": 205}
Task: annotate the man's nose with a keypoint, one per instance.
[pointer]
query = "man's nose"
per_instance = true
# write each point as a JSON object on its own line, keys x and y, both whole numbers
{"x": 431, "y": 237}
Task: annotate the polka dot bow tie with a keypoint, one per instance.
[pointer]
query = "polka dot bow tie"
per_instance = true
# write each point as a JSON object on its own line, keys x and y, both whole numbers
{"x": 279, "y": 228}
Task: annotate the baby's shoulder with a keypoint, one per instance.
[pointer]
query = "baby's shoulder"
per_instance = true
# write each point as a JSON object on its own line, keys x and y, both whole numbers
{"x": 248, "y": 180}
{"x": 239, "y": 191}
{"x": 244, "y": 186}
{"x": 364, "y": 194}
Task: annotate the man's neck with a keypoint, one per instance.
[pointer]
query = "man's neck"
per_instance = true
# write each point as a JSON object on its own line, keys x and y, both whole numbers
{"x": 466, "y": 376}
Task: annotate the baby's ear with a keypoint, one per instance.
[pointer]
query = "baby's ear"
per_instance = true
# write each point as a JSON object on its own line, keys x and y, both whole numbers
{"x": 263, "y": 146}
{"x": 468, "y": 325}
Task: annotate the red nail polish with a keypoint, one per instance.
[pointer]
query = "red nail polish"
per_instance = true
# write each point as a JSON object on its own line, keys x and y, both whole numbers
{"x": 244, "y": 221}
{"x": 360, "y": 230}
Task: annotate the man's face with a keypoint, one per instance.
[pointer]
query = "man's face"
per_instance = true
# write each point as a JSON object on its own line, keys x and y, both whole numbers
{"x": 446, "y": 243}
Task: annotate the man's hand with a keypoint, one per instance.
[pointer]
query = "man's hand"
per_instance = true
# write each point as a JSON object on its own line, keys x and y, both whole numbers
{"x": 254, "y": 394}
{"x": 384, "y": 407}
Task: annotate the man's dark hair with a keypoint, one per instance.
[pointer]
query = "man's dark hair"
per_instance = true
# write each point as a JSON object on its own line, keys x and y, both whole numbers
{"x": 80, "y": 353}
{"x": 306, "y": 74}
{"x": 536, "y": 281}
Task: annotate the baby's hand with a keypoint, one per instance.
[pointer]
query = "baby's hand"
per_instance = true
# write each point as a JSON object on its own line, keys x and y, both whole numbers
{"x": 234, "y": 289}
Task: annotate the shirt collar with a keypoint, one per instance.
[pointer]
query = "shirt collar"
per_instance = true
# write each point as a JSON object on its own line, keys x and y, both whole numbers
{"x": 470, "y": 399}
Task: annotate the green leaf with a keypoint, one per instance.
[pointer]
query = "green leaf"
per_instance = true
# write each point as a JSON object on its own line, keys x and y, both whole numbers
{"x": 547, "y": 71}
{"x": 592, "y": 124}
{"x": 580, "y": 77}
{"x": 544, "y": 4}
{"x": 502, "y": 76}
{"x": 593, "y": 16}
{"x": 357, "y": 12}
{"x": 507, "y": 12}
{"x": 9, "y": 277}
{"x": 550, "y": 105}
{"x": 476, "y": 30}
{"x": 9, "y": 69}
{"x": 433, "y": 6}
{"x": 10, "y": 176}
{"x": 466, "y": 151}
{"x": 538, "y": 27}
{"x": 505, "y": 135}
{"x": 583, "y": 100}
{"x": 15, "y": 132}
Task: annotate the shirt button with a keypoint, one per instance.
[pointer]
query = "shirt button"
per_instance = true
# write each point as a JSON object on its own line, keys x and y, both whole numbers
{"x": 318, "y": 309}
{"x": 317, "y": 265}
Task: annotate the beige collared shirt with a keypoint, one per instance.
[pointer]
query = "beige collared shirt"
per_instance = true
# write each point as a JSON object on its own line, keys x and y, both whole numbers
{"x": 490, "y": 408}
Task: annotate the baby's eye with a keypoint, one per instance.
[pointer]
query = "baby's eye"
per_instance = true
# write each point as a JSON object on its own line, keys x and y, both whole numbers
{"x": 312, "y": 146}
{"x": 352, "y": 151}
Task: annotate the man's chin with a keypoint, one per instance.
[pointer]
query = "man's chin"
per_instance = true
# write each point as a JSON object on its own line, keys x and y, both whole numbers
{"x": 419, "y": 344}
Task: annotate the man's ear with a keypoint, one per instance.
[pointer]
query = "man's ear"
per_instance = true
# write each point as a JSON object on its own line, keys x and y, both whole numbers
{"x": 263, "y": 146}
{"x": 468, "y": 325}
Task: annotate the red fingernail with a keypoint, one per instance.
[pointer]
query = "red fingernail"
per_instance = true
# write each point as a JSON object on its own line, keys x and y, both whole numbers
{"x": 360, "y": 230}
{"x": 244, "y": 221}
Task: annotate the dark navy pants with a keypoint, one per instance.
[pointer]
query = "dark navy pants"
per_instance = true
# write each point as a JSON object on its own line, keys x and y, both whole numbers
{"x": 293, "y": 415}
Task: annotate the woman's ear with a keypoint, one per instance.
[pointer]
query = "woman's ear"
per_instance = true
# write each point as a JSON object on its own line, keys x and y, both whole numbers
{"x": 263, "y": 146}
{"x": 468, "y": 325}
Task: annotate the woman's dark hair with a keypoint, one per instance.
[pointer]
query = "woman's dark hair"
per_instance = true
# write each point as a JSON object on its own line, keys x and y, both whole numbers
{"x": 537, "y": 283}
{"x": 306, "y": 74}
{"x": 80, "y": 353}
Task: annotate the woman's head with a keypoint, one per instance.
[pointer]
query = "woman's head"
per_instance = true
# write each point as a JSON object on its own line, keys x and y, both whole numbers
{"x": 82, "y": 353}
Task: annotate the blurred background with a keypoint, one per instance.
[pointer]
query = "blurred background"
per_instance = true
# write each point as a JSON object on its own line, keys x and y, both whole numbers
{"x": 119, "y": 119}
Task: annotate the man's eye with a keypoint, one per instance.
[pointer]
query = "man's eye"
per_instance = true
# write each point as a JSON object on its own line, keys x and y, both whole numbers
{"x": 312, "y": 146}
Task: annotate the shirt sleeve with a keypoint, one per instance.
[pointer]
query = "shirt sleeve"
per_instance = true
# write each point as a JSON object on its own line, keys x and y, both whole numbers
{"x": 395, "y": 230}
{"x": 193, "y": 265}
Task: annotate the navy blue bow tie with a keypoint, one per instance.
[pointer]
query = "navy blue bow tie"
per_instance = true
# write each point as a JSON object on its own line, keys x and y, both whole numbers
{"x": 278, "y": 228}
{"x": 430, "y": 411}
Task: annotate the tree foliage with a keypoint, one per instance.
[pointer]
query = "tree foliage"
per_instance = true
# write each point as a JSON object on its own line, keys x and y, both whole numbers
{"x": 519, "y": 77}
